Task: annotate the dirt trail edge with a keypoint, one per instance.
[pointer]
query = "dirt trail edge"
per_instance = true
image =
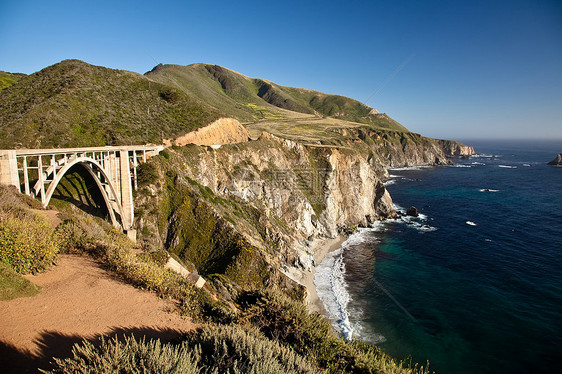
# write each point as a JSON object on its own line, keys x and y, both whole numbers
{"x": 79, "y": 300}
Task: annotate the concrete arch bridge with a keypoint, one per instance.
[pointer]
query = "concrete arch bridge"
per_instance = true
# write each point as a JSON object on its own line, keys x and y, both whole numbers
{"x": 37, "y": 173}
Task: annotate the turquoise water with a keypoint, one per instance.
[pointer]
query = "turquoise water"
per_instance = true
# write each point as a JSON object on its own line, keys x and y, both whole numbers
{"x": 475, "y": 285}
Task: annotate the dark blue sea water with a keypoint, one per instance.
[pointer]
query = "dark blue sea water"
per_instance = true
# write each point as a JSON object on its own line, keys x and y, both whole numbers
{"x": 475, "y": 284}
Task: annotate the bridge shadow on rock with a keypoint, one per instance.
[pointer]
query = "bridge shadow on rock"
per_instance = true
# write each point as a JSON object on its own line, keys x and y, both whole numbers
{"x": 53, "y": 344}
{"x": 79, "y": 188}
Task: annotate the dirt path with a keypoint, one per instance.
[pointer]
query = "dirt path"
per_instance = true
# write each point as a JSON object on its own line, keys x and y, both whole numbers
{"x": 78, "y": 300}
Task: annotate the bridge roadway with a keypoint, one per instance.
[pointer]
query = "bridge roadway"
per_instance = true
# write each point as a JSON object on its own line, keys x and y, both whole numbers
{"x": 37, "y": 172}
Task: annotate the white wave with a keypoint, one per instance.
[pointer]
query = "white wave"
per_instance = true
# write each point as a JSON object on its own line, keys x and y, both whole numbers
{"x": 331, "y": 286}
{"x": 507, "y": 166}
{"x": 420, "y": 226}
{"x": 378, "y": 226}
{"x": 405, "y": 168}
{"x": 488, "y": 190}
{"x": 460, "y": 166}
{"x": 470, "y": 223}
{"x": 389, "y": 182}
{"x": 478, "y": 163}
{"x": 483, "y": 155}
{"x": 527, "y": 165}
{"x": 394, "y": 176}
{"x": 398, "y": 208}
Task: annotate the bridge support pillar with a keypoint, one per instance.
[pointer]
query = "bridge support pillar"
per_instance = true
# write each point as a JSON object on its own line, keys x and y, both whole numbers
{"x": 126, "y": 194}
{"x": 9, "y": 168}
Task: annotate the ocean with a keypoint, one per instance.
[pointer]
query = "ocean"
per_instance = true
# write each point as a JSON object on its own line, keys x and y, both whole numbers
{"x": 474, "y": 284}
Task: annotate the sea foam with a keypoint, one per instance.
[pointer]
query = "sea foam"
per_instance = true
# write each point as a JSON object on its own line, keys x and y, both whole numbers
{"x": 332, "y": 290}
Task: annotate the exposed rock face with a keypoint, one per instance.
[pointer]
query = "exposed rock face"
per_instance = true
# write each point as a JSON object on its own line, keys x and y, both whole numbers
{"x": 557, "y": 161}
{"x": 452, "y": 148}
{"x": 222, "y": 131}
{"x": 280, "y": 194}
{"x": 302, "y": 191}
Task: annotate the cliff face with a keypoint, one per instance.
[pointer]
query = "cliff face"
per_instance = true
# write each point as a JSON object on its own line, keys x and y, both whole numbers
{"x": 276, "y": 195}
{"x": 310, "y": 191}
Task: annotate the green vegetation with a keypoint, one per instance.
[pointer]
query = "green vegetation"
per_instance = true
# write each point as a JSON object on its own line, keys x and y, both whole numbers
{"x": 265, "y": 331}
{"x": 310, "y": 335}
{"x": 75, "y": 104}
{"x": 274, "y": 335}
{"x": 208, "y": 350}
{"x": 7, "y": 79}
{"x": 127, "y": 357}
{"x": 250, "y": 99}
{"x": 79, "y": 188}
{"x": 27, "y": 242}
{"x": 237, "y": 246}
{"x": 199, "y": 236}
{"x": 13, "y": 285}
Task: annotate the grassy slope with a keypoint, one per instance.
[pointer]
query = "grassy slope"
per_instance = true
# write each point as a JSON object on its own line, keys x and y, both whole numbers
{"x": 251, "y": 99}
{"x": 13, "y": 285}
{"x": 73, "y": 103}
{"x": 7, "y": 79}
{"x": 76, "y": 104}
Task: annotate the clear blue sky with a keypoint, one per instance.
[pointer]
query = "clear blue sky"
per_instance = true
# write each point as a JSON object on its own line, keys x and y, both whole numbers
{"x": 447, "y": 69}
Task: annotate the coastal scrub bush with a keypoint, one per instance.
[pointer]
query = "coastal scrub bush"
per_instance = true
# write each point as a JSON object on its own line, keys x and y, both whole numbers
{"x": 233, "y": 349}
{"x": 311, "y": 335}
{"x": 128, "y": 356}
{"x": 147, "y": 174}
{"x": 210, "y": 349}
{"x": 27, "y": 242}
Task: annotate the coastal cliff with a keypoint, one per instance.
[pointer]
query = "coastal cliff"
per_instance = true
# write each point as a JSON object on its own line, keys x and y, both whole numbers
{"x": 276, "y": 195}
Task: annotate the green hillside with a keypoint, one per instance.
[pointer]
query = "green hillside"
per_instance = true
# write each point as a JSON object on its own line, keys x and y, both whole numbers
{"x": 7, "y": 79}
{"x": 252, "y": 100}
{"x": 73, "y": 103}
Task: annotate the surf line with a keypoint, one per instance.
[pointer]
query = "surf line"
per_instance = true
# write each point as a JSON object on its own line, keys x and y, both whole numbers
{"x": 395, "y": 301}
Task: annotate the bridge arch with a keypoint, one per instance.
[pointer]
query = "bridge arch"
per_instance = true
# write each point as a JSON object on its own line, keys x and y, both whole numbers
{"x": 114, "y": 170}
{"x": 103, "y": 182}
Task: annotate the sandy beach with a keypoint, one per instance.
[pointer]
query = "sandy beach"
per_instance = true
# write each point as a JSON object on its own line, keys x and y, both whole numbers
{"x": 319, "y": 248}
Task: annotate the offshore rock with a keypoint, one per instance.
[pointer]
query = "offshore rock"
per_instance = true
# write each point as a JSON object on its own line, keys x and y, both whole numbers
{"x": 412, "y": 211}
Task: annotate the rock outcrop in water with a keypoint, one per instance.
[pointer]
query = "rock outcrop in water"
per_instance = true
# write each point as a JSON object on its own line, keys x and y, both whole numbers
{"x": 412, "y": 211}
{"x": 557, "y": 161}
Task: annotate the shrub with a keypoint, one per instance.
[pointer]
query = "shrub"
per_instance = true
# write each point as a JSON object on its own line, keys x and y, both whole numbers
{"x": 147, "y": 174}
{"x": 27, "y": 242}
{"x": 207, "y": 350}
{"x": 233, "y": 349}
{"x": 128, "y": 356}
{"x": 312, "y": 336}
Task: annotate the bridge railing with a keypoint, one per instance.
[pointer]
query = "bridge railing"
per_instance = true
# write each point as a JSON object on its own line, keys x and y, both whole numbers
{"x": 15, "y": 165}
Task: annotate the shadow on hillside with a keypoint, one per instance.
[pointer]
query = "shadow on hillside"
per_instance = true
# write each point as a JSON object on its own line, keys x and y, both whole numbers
{"x": 54, "y": 344}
